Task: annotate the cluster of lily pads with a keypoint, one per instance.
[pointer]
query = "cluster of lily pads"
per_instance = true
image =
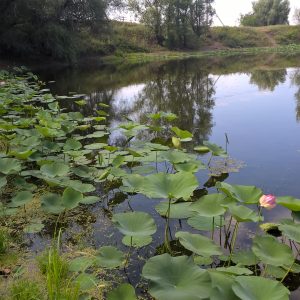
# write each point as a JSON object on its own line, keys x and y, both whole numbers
{"x": 61, "y": 160}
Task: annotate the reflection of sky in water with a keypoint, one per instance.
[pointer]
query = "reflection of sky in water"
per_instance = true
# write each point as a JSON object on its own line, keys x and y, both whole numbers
{"x": 263, "y": 132}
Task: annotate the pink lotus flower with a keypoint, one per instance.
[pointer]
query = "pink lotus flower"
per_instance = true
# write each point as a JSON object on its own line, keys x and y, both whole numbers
{"x": 267, "y": 201}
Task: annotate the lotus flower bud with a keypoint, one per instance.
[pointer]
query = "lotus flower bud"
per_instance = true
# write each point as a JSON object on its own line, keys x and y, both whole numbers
{"x": 267, "y": 201}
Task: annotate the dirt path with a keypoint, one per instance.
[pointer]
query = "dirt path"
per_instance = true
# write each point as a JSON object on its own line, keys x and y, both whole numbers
{"x": 269, "y": 35}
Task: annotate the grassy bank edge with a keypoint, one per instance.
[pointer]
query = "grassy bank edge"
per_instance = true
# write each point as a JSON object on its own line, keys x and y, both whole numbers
{"x": 174, "y": 55}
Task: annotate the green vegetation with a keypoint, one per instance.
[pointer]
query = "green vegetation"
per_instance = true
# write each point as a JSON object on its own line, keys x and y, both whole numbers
{"x": 26, "y": 290}
{"x": 267, "y": 12}
{"x": 68, "y": 156}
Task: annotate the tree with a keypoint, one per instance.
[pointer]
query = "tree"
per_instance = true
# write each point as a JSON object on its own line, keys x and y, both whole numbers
{"x": 175, "y": 23}
{"x": 48, "y": 27}
{"x": 267, "y": 12}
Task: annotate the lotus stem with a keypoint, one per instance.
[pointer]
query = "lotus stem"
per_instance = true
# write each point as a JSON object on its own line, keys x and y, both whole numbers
{"x": 287, "y": 273}
{"x": 264, "y": 274}
{"x": 233, "y": 241}
{"x": 213, "y": 228}
{"x": 220, "y": 231}
{"x": 167, "y": 243}
{"x": 129, "y": 252}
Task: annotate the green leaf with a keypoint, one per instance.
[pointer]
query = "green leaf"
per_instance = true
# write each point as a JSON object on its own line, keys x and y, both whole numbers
{"x": 259, "y": 288}
{"x": 221, "y": 286}
{"x": 80, "y": 264}
{"x": 241, "y": 193}
{"x": 22, "y": 198}
{"x": 176, "y": 156}
{"x": 34, "y": 227}
{"x": 137, "y": 241}
{"x": 56, "y": 169}
{"x": 292, "y": 231}
{"x": 109, "y": 257}
{"x": 271, "y": 252}
{"x": 177, "y": 210}
{"x": 243, "y": 214}
{"x": 198, "y": 244}
{"x": 122, "y": 292}
{"x": 203, "y": 223}
{"x": 176, "y": 278}
{"x": 245, "y": 257}
{"x": 86, "y": 281}
{"x": 209, "y": 206}
{"x": 51, "y": 203}
{"x": 184, "y": 135}
{"x": 90, "y": 200}
{"x": 291, "y": 203}
{"x": 135, "y": 224}
{"x": 190, "y": 166}
{"x": 3, "y": 182}
{"x": 72, "y": 144}
{"x": 215, "y": 149}
{"x": 172, "y": 186}
{"x": 71, "y": 198}
{"x": 234, "y": 270}
{"x": 9, "y": 166}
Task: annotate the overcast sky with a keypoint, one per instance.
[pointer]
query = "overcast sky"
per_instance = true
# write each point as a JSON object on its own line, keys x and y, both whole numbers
{"x": 229, "y": 11}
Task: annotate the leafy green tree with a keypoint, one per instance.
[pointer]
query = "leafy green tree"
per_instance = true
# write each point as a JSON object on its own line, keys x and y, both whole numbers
{"x": 175, "y": 23}
{"x": 53, "y": 28}
{"x": 267, "y": 12}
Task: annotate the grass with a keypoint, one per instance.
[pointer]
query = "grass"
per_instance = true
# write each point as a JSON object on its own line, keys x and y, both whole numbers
{"x": 26, "y": 290}
{"x": 4, "y": 241}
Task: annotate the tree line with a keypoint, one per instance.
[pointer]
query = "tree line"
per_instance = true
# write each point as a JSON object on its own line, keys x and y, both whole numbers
{"x": 63, "y": 28}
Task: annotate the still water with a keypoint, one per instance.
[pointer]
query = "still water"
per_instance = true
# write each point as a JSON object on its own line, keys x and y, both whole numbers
{"x": 254, "y": 100}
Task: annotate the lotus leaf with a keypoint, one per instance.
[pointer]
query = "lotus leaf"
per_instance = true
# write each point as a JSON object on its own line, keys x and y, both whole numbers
{"x": 172, "y": 186}
{"x": 136, "y": 242}
{"x": 291, "y": 203}
{"x": 209, "y": 206}
{"x": 244, "y": 214}
{"x": 198, "y": 244}
{"x": 21, "y": 198}
{"x": 55, "y": 169}
{"x": 259, "y": 288}
{"x": 271, "y": 252}
{"x": 241, "y": 193}
{"x": 109, "y": 257}
{"x": 122, "y": 292}
{"x": 177, "y": 211}
{"x": 176, "y": 278}
{"x": 292, "y": 231}
{"x": 9, "y": 166}
{"x": 80, "y": 264}
{"x": 135, "y": 224}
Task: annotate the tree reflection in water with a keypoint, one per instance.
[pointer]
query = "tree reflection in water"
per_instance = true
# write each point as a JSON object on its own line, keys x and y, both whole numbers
{"x": 295, "y": 80}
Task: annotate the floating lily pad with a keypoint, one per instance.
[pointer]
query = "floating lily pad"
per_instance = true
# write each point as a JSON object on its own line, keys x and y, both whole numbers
{"x": 122, "y": 292}
{"x": 176, "y": 278}
{"x": 246, "y": 258}
{"x": 56, "y": 169}
{"x": 109, "y": 257}
{"x": 80, "y": 264}
{"x": 137, "y": 241}
{"x": 21, "y": 198}
{"x": 86, "y": 281}
{"x": 71, "y": 198}
{"x": 259, "y": 288}
{"x": 198, "y": 244}
{"x": 9, "y": 166}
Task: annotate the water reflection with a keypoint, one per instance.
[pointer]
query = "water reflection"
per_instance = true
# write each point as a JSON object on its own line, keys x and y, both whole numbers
{"x": 268, "y": 80}
{"x": 295, "y": 80}
{"x": 182, "y": 88}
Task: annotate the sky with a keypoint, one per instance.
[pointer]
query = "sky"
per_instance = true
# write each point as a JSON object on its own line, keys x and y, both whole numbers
{"x": 229, "y": 11}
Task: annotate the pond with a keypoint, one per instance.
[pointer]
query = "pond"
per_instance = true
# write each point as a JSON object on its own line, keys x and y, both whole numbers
{"x": 249, "y": 105}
